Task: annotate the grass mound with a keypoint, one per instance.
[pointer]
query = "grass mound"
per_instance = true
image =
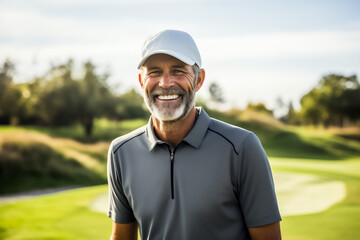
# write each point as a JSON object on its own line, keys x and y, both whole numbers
{"x": 280, "y": 140}
{"x": 33, "y": 165}
{"x": 43, "y": 157}
{"x": 38, "y": 157}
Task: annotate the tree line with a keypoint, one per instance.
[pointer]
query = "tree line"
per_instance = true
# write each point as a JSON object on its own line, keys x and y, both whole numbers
{"x": 334, "y": 101}
{"x": 58, "y": 98}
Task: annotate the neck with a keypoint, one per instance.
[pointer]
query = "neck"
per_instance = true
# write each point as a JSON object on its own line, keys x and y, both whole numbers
{"x": 173, "y": 132}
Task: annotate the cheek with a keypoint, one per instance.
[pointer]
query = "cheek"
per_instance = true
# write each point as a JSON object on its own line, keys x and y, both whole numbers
{"x": 188, "y": 84}
{"x": 149, "y": 85}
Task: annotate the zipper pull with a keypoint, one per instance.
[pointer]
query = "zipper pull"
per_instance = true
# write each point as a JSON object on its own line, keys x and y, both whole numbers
{"x": 172, "y": 156}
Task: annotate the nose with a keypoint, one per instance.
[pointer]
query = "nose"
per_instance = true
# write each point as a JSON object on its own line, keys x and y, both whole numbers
{"x": 166, "y": 81}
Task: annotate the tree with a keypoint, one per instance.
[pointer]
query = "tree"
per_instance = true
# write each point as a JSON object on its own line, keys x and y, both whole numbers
{"x": 259, "y": 107}
{"x": 96, "y": 98}
{"x": 350, "y": 104}
{"x": 216, "y": 93}
{"x": 291, "y": 116}
{"x": 60, "y": 96}
{"x": 334, "y": 99}
{"x": 311, "y": 111}
{"x": 30, "y": 111}
{"x": 66, "y": 100}
{"x": 130, "y": 105}
{"x": 10, "y": 95}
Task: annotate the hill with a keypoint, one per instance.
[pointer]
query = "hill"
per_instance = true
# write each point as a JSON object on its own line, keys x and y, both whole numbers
{"x": 33, "y": 160}
{"x": 280, "y": 140}
{"x": 43, "y": 157}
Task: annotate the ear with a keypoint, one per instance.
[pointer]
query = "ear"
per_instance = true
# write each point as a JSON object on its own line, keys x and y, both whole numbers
{"x": 140, "y": 80}
{"x": 200, "y": 79}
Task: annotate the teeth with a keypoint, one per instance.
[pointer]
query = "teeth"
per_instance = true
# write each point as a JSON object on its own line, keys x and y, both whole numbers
{"x": 167, "y": 97}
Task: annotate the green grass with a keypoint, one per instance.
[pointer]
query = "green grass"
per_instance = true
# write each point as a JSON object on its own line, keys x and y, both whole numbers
{"x": 42, "y": 157}
{"x": 30, "y": 165}
{"x": 297, "y": 142}
{"x": 341, "y": 221}
{"x": 291, "y": 149}
{"x": 57, "y": 216}
{"x": 34, "y": 161}
{"x": 283, "y": 141}
{"x": 67, "y": 215}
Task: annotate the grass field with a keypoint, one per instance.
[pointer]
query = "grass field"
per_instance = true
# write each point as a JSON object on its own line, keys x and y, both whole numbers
{"x": 40, "y": 157}
{"x": 341, "y": 221}
{"x": 68, "y": 215}
{"x": 57, "y": 216}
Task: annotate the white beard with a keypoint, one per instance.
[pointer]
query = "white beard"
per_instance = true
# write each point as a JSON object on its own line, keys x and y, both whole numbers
{"x": 177, "y": 114}
{"x": 168, "y": 112}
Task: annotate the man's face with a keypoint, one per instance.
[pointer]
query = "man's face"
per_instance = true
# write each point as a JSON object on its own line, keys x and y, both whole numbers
{"x": 168, "y": 86}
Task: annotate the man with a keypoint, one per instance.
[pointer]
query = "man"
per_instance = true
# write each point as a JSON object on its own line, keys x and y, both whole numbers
{"x": 185, "y": 175}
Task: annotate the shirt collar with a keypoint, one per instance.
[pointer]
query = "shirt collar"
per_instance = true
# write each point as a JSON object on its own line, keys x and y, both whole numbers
{"x": 198, "y": 131}
{"x": 194, "y": 137}
{"x": 153, "y": 140}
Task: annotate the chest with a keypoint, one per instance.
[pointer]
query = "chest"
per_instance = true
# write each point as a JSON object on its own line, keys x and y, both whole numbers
{"x": 187, "y": 182}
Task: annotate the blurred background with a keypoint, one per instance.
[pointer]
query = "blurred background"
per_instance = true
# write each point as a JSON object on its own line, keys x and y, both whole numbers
{"x": 288, "y": 71}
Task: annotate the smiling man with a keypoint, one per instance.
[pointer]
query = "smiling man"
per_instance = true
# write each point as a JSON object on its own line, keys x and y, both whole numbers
{"x": 185, "y": 175}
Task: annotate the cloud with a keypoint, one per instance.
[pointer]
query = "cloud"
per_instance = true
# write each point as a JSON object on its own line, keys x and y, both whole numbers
{"x": 31, "y": 24}
{"x": 283, "y": 45}
{"x": 286, "y": 63}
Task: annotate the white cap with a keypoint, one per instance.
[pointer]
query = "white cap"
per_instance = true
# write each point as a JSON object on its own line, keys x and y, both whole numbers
{"x": 174, "y": 43}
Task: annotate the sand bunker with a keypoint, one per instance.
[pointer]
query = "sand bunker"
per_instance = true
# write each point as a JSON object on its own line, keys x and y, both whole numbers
{"x": 101, "y": 203}
{"x": 306, "y": 193}
{"x": 296, "y": 193}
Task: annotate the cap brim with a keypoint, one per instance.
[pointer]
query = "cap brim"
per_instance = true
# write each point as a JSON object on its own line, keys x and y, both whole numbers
{"x": 174, "y": 54}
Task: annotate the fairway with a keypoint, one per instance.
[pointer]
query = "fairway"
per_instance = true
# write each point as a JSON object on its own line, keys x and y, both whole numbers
{"x": 310, "y": 193}
{"x": 306, "y": 193}
{"x": 333, "y": 219}
{"x": 64, "y": 215}
{"x": 318, "y": 193}
{"x": 297, "y": 194}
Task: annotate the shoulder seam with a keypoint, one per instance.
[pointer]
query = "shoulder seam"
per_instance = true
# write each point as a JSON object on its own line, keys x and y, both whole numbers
{"x": 127, "y": 141}
{"x": 225, "y": 139}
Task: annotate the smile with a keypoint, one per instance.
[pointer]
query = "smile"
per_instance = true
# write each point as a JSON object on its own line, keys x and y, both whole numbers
{"x": 168, "y": 97}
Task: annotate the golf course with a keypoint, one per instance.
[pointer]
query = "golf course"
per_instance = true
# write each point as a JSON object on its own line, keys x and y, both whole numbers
{"x": 316, "y": 174}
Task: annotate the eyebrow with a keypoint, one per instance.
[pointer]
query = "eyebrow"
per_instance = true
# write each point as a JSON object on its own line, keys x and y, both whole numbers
{"x": 179, "y": 66}
{"x": 152, "y": 68}
{"x": 174, "y": 66}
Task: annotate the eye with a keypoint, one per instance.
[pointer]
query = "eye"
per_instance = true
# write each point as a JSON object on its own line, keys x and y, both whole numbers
{"x": 154, "y": 73}
{"x": 178, "y": 71}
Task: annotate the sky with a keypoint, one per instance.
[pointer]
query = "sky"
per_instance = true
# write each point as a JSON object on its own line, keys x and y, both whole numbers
{"x": 257, "y": 51}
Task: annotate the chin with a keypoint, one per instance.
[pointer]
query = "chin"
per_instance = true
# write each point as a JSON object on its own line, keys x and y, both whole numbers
{"x": 171, "y": 115}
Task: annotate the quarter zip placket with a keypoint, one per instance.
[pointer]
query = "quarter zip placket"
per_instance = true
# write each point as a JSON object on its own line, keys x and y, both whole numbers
{"x": 172, "y": 174}
{"x": 172, "y": 158}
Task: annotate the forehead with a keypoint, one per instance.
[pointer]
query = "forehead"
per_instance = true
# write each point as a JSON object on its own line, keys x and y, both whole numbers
{"x": 162, "y": 60}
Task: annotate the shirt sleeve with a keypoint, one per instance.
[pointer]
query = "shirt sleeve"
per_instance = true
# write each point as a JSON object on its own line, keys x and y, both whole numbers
{"x": 120, "y": 210}
{"x": 257, "y": 192}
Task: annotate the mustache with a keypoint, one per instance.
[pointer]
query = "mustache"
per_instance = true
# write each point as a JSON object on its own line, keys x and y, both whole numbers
{"x": 168, "y": 91}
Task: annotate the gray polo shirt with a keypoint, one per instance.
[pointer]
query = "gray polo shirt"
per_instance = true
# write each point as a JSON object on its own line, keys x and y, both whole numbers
{"x": 214, "y": 185}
